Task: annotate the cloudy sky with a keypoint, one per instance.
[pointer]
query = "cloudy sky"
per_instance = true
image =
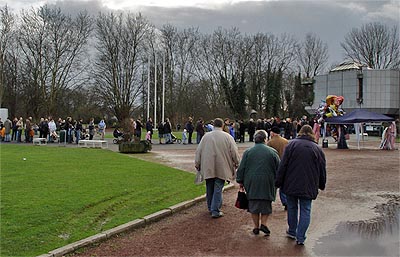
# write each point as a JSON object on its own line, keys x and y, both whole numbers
{"x": 330, "y": 20}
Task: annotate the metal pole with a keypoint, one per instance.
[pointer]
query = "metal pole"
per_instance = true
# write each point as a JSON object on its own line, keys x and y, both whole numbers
{"x": 155, "y": 89}
{"x": 148, "y": 87}
{"x": 163, "y": 89}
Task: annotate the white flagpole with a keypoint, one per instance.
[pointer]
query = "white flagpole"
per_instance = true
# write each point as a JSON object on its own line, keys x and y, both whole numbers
{"x": 148, "y": 87}
{"x": 155, "y": 89}
{"x": 163, "y": 89}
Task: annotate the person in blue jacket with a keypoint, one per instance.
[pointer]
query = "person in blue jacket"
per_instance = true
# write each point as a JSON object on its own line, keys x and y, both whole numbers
{"x": 301, "y": 173}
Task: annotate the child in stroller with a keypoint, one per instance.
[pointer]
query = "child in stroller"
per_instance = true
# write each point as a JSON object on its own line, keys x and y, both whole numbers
{"x": 118, "y": 136}
{"x": 175, "y": 139}
{"x": 53, "y": 136}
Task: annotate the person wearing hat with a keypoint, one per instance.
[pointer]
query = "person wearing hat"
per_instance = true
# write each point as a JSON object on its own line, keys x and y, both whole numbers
{"x": 278, "y": 143}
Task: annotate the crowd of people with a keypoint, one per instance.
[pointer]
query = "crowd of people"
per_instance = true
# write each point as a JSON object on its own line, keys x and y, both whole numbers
{"x": 61, "y": 130}
{"x": 70, "y": 130}
{"x": 288, "y": 128}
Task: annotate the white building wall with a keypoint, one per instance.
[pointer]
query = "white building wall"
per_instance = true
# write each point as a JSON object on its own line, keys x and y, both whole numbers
{"x": 381, "y": 90}
{"x": 3, "y": 114}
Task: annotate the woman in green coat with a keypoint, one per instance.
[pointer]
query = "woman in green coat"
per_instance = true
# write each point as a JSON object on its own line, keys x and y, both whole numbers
{"x": 256, "y": 174}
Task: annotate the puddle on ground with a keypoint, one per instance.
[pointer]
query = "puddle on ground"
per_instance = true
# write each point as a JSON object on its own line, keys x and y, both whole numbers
{"x": 376, "y": 237}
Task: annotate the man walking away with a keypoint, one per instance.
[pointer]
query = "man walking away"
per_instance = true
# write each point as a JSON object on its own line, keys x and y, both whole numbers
{"x": 301, "y": 173}
{"x": 216, "y": 159}
{"x": 278, "y": 143}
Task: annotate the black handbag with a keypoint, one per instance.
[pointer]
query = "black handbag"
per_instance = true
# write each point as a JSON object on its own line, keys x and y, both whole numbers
{"x": 241, "y": 201}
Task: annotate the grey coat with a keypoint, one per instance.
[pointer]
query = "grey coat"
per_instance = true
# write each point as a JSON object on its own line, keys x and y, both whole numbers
{"x": 7, "y": 126}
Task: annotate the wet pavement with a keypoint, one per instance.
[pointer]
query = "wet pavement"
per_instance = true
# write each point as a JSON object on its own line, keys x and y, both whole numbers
{"x": 357, "y": 215}
{"x": 375, "y": 237}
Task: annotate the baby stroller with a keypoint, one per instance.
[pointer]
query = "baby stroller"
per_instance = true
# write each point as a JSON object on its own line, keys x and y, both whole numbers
{"x": 175, "y": 139}
{"x": 85, "y": 134}
{"x": 118, "y": 136}
{"x": 53, "y": 136}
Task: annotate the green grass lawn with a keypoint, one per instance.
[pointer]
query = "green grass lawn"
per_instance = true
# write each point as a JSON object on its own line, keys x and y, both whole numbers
{"x": 60, "y": 195}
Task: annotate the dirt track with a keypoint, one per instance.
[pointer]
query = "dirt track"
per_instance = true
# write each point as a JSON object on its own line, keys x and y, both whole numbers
{"x": 359, "y": 207}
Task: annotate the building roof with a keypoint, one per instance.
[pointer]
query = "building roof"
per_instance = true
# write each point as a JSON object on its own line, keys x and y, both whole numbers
{"x": 349, "y": 65}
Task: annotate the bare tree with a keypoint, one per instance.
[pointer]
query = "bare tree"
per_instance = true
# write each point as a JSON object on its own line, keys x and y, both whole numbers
{"x": 53, "y": 45}
{"x": 223, "y": 61}
{"x": 255, "y": 93}
{"x": 206, "y": 70}
{"x": 117, "y": 74}
{"x": 180, "y": 68}
{"x": 6, "y": 35}
{"x": 287, "y": 46}
{"x": 272, "y": 56}
{"x": 375, "y": 44}
{"x": 230, "y": 62}
{"x": 312, "y": 55}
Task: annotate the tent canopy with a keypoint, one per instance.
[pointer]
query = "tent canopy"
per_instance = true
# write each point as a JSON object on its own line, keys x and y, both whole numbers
{"x": 358, "y": 116}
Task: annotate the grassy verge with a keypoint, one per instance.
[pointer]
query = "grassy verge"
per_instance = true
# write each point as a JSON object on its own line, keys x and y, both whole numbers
{"x": 60, "y": 195}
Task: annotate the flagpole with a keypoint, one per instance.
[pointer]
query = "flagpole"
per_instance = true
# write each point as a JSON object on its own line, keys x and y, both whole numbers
{"x": 148, "y": 87}
{"x": 163, "y": 89}
{"x": 155, "y": 89}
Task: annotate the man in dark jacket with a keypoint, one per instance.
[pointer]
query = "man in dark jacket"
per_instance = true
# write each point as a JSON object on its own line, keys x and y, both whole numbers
{"x": 199, "y": 130}
{"x": 190, "y": 128}
{"x": 301, "y": 173}
{"x": 78, "y": 130}
{"x": 138, "y": 130}
{"x": 168, "y": 131}
{"x": 149, "y": 127}
{"x": 251, "y": 130}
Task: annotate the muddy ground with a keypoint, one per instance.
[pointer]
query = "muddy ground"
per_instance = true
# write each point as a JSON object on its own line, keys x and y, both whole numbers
{"x": 357, "y": 214}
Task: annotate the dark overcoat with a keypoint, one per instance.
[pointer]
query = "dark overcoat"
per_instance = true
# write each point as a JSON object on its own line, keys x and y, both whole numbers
{"x": 257, "y": 172}
{"x": 302, "y": 170}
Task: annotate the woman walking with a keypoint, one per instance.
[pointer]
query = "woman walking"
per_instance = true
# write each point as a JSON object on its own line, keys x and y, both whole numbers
{"x": 256, "y": 174}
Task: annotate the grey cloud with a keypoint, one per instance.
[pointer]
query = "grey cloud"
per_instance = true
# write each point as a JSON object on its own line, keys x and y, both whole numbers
{"x": 73, "y": 7}
{"x": 329, "y": 20}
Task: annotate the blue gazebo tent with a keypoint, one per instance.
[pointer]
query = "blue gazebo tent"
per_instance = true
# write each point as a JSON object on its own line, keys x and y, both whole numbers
{"x": 357, "y": 117}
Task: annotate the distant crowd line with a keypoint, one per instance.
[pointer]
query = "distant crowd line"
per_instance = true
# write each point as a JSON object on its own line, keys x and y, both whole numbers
{"x": 61, "y": 130}
{"x": 236, "y": 128}
{"x": 71, "y": 131}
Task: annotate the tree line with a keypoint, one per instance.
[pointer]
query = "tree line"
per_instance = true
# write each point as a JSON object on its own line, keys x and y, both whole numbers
{"x": 54, "y": 63}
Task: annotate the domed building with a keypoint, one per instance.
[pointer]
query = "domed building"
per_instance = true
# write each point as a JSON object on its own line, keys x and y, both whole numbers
{"x": 370, "y": 89}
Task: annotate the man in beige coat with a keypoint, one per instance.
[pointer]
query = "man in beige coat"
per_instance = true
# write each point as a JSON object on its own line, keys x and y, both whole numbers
{"x": 279, "y": 143}
{"x": 217, "y": 158}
